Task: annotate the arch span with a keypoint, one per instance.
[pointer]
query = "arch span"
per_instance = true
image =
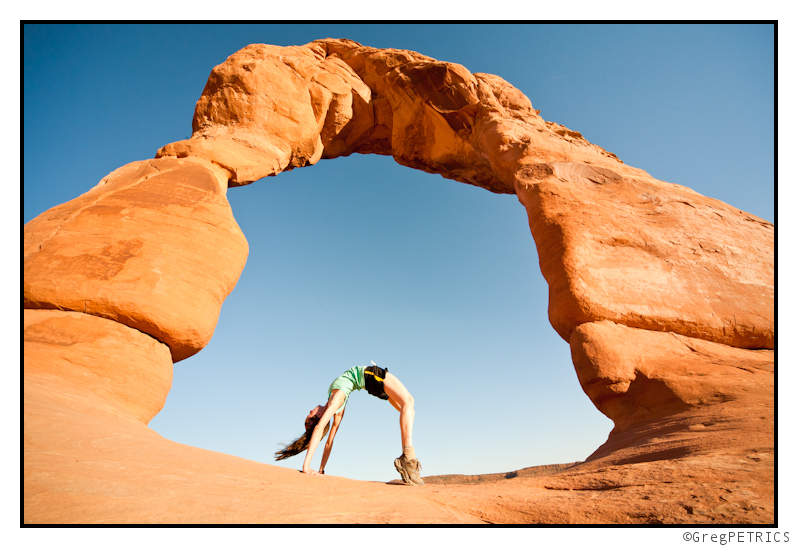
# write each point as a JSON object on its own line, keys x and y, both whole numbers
{"x": 632, "y": 263}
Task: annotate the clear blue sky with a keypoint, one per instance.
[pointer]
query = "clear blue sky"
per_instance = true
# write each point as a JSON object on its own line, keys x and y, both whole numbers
{"x": 361, "y": 259}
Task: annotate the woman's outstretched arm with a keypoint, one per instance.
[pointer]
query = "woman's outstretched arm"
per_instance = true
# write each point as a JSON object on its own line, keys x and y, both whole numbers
{"x": 330, "y": 437}
{"x": 336, "y": 399}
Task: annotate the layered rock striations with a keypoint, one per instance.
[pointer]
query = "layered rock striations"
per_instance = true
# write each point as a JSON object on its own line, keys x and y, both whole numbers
{"x": 665, "y": 296}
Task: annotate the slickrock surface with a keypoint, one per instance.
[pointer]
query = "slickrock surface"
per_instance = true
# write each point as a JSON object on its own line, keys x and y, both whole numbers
{"x": 665, "y": 296}
{"x": 88, "y": 461}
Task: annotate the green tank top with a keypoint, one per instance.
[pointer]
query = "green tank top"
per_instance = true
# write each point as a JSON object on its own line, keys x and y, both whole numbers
{"x": 351, "y": 379}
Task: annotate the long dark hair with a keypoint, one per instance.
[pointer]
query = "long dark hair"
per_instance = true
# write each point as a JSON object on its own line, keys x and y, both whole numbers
{"x": 302, "y": 442}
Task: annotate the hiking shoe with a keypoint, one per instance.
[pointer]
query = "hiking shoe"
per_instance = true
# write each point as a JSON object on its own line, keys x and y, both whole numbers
{"x": 409, "y": 470}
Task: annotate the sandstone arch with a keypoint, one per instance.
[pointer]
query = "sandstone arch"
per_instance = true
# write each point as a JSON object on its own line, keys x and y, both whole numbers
{"x": 637, "y": 268}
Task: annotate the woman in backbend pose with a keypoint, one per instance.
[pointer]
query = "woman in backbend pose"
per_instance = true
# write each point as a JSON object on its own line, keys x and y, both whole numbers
{"x": 378, "y": 382}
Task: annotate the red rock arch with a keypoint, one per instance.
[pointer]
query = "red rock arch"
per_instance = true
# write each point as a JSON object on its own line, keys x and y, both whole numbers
{"x": 637, "y": 268}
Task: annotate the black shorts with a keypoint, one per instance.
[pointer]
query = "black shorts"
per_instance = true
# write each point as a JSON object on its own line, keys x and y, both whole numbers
{"x": 374, "y": 381}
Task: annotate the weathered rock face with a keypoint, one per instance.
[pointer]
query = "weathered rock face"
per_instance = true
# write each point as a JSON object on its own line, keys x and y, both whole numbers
{"x": 649, "y": 254}
{"x": 267, "y": 109}
{"x": 614, "y": 243}
{"x": 665, "y": 296}
{"x": 153, "y": 246}
{"x": 129, "y": 371}
{"x": 636, "y": 376}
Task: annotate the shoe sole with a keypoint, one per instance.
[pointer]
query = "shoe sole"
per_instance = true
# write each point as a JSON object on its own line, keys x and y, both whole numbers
{"x": 404, "y": 474}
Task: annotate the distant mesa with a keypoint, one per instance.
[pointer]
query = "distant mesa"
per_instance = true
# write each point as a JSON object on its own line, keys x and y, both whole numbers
{"x": 532, "y": 471}
{"x": 665, "y": 296}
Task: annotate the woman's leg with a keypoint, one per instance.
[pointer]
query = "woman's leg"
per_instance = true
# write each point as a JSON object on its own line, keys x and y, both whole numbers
{"x": 401, "y": 399}
{"x": 407, "y": 464}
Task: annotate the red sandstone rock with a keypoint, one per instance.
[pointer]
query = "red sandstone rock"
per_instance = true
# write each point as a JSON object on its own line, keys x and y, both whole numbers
{"x": 153, "y": 246}
{"x": 130, "y": 371}
{"x": 614, "y": 243}
{"x": 89, "y": 462}
{"x": 268, "y": 109}
{"x": 638, "y": 377}
{"x": 649, "y": 254}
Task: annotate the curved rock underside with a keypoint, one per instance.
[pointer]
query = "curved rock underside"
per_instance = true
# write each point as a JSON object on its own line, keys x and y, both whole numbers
{"x": 665, "y": 296}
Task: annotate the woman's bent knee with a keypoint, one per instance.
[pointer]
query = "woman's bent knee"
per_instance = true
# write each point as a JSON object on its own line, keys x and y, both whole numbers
{"x": 407, "y": 406}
